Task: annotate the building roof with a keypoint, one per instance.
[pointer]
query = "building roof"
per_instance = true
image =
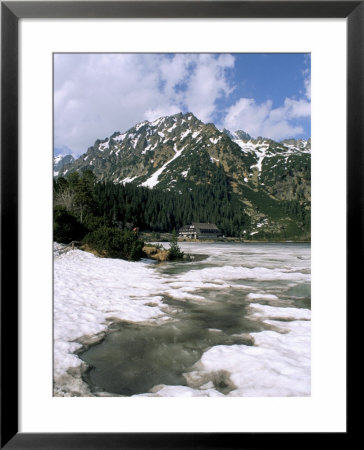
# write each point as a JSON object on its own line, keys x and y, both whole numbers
{"x": 200, "y": 226}
{"x": 205, "y": 226}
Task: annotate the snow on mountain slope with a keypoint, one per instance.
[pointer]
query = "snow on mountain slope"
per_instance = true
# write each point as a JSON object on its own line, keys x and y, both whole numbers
{"x": 153, "y": 180}
{"x": 60, "y": 162}
{"x": 144, "y": 153}
{"x": 180, "y": 154}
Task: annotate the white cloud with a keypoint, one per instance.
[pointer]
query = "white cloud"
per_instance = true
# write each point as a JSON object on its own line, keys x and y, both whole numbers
{"x": 307, "y": 76}
{"x": 307, "y": 83}
{"x": 97, "y": 94}
{"x": 246, "y": 115}
{"x": 160, "y": 111}
{"x": 264, "y": 120}
{"x": 207, "y": 83}
{"x": 192, "y": 82}
{"x": 276, "y": 123}
{"x": 292, "y": 109}
{"x": 65, "y": 151}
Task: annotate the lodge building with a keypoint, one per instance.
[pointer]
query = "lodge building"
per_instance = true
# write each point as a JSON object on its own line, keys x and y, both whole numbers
{"x": 200, "y": 231}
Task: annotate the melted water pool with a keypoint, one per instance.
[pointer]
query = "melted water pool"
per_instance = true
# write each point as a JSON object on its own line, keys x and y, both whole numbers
{"x": 134, "y": 358}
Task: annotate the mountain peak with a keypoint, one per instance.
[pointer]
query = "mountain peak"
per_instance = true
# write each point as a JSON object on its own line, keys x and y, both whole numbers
{"x": 243, "y": 135}
{"x": 183, "y": 155}
{"x": 237, "y": 135}
{"x": 60, "y": 162}
{"x": 157, "y": 152}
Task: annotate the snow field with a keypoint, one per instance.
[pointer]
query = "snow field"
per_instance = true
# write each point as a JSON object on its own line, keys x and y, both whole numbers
{"x": 278, "y": 364}
{"x": 223, "y": 274}
{"x": 153, "y": 180}
{"x": 91, "y": 292}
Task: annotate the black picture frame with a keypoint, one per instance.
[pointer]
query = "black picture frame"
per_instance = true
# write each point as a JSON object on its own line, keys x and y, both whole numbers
{"x": 11, "y": 12}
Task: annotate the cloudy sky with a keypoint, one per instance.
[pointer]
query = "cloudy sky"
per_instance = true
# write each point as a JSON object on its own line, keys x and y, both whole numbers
{"x": 97, "y": 94}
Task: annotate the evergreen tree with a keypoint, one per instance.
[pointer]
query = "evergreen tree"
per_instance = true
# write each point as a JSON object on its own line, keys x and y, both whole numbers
{"x": 174, "y": 250}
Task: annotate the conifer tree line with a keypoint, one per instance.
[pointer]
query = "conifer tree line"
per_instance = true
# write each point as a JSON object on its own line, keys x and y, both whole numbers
{"x": 82, "y": 205}
{"x": 300, "y": 211}
{"x": 95, "y": 204}
{"x": 162, "y": 211}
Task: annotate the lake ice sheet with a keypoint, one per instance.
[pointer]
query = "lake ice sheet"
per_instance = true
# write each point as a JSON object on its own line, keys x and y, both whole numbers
{"x": 252, "y": 336}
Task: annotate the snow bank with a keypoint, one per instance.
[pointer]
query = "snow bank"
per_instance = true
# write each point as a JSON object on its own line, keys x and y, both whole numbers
{"x": 278, "y": 364}
{"x": 268, "y": 312}
{"x": 261, "y": 295}
{"x": 180, "y": 391}
{"x": 89, "y": 292}
{"x": 221, "y": 274}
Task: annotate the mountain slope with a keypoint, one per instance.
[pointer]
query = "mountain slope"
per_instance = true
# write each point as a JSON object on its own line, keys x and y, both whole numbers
{"x": 178, "y": 153}
{"x": 60, "y": 162}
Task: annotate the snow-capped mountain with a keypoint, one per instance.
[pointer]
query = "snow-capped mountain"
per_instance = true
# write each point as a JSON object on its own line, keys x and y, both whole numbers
{"x": 180, "y": 151}
{"x": 149, "y": 153}
{"x": 59, "y": 162}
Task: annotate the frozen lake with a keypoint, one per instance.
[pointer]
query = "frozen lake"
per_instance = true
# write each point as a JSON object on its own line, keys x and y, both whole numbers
{"x": 233, "y": 322}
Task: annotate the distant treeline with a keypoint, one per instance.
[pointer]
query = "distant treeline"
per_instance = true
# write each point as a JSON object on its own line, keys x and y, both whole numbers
{"x": 162, "y": 210}
{"x": 82, "y": 205}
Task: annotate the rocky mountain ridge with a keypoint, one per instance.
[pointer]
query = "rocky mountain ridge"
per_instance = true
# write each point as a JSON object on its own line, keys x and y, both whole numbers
{"x": 177, "y": 153}
{"x": 59, "y": 163}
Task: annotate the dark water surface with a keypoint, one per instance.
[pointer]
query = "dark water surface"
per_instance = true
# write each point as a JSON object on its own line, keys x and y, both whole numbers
{"x": 134, "y": 358}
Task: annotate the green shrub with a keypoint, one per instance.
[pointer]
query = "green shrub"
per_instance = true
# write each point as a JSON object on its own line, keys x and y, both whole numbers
{"x": 66, "y": 227}
{"x": 94, "y": 222}
{"x": 174, "y": 250}
{"x": 115, "y": 243}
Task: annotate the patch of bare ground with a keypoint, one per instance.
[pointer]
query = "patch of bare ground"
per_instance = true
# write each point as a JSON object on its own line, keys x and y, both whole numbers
{"x": 152, "y": 252}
